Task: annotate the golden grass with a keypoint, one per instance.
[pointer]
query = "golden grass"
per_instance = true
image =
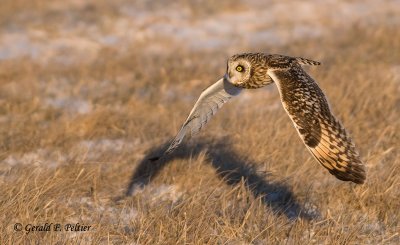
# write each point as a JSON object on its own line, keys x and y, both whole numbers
{"x": 246, "y": 179}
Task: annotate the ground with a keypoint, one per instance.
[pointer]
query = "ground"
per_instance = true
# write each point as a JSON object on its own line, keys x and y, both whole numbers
{"x": 89, "y": 90}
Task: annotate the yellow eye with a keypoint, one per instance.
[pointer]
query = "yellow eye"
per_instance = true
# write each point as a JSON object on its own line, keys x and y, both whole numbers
{"x": 239, "y": 68}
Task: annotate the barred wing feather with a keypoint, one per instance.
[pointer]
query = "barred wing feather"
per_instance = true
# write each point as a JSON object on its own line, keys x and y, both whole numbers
{"x": 324, "y": 136}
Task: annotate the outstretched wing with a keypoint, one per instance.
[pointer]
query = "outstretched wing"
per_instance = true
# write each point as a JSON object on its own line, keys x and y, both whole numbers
{"x": 210, "y": 100}
{"x": 322, "y": 133}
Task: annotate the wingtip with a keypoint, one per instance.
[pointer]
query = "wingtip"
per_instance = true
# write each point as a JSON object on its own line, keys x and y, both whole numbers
{"x": 154, "y": 159}
{"x": 357, "y": 176}
{"x": 305, "y": 61}
{"x": 360, "y": 180}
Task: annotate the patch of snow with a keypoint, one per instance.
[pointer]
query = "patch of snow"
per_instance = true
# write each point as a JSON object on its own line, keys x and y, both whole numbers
{"x": 50, "y": 157}
{"x": 59, "y": 94}
{"x": 39, "y": 157}
{"x": 13, "y": 45}
{"x": 104, "y": 144}
{"x": 93, "y": 149}
{"x": 72, "y": 105}
{"x": 311, "y": 210}
{"x": 110, "y": 212}
{"x": 273, "y": 23}
{"x": 158, "y": 193}
{"x": 36, "y": 44}
{"x": 373, "y": 227}
{"x": 395, "y": 72}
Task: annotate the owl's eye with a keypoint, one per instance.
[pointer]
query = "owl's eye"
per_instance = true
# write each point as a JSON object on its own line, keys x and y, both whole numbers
{"x": 239, "y": 68}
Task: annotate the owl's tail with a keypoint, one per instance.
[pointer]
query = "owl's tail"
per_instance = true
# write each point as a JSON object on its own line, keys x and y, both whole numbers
{"x": 304, "y": 61}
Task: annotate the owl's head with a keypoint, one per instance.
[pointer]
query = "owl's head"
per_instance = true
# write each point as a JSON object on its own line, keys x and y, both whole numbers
{"x": 247, "y": 71}
{"x": 238, "y": 70}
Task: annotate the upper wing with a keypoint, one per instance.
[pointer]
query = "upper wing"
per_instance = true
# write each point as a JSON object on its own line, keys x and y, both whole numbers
{"x": 206, "y": 106}
{"x": 321, "y": 132}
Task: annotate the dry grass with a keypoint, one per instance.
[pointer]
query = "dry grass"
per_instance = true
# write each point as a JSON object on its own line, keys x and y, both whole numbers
{"x": 74, "y": 139}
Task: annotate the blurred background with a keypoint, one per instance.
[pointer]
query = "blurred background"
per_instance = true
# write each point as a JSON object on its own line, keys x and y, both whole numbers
{"x": 63, "y": 32}
{"x": 90, "y": 89}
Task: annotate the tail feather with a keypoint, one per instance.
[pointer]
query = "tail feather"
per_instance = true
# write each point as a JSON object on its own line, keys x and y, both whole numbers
{"x": 304, "y": 61}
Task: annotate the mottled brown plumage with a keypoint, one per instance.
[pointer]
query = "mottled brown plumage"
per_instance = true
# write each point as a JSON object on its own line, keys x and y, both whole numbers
{"x": 303, "y": 100}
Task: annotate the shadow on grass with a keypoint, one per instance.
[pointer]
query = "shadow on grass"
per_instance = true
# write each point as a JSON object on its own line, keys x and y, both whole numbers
{"x": 231, "y": 168}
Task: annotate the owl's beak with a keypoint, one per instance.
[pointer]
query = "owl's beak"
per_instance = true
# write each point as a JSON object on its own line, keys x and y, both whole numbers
{"x": 229, "y": 87}
{"x": 226, "y": 78}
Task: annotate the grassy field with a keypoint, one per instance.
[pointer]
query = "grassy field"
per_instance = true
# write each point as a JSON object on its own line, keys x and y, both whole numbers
{"x": 90, "y": 90}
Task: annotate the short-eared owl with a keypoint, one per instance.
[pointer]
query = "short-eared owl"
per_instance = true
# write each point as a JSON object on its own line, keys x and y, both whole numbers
{"x": 303, "y": 100}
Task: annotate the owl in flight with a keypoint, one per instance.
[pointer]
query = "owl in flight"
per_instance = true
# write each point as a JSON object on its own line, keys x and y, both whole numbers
{"x": 303, "y": 100}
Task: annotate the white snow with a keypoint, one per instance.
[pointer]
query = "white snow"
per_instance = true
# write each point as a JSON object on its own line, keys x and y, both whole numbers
{"x": 271, "y": 23}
